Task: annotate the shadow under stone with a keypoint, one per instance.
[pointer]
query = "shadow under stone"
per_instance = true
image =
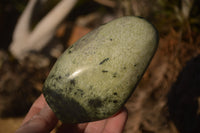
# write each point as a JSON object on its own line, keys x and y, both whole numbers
{"x": 183, "y": 98}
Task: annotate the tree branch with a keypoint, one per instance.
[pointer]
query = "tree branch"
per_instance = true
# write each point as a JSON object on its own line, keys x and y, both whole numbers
{"x": 28, "y": 41}
{"x": 22, "y": 28}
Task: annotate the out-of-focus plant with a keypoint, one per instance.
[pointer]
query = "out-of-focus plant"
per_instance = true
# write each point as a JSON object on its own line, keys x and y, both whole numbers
{"x": 26, "y": 39}
{"x": 19, "y": 5}
{"x": 130, "y": 7}
{"x": 195, "y": 17}
{"x": 182, "y": 15}
{"x": 188, "y": 15}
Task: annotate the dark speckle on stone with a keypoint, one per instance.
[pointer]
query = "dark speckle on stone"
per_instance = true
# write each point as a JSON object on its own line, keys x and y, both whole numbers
{"x": 104, "y": 71}
{"x": 81, "y": 92}
{"x": 135, "y": 65}
{"x": 90, "y": 87}
{"x": 140, "y": 17}
{"x": 115, "y": 93}
{"x": 70, "y": 52}
{"x": 114, "y": 75}
{"x": 70, "y": 89}
{"x": 103, "y": 61}
{"x": 52, "y": 76}
{"x": 115, "y": 101}
{"x": 124, "y": 68}
{"x": 73, "y": 82}
{"x": 67, "y": 75}
{"x": 95, "y": 103}
{"x": 110, "y": 39}
{"x": 58, "y": 78}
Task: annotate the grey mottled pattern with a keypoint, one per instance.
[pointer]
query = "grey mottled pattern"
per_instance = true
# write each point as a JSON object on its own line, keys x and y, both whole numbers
{"x": 95, "y": 76}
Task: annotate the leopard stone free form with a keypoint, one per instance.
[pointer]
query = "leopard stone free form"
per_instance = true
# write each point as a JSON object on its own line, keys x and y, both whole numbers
{"x": 95, "y": 76}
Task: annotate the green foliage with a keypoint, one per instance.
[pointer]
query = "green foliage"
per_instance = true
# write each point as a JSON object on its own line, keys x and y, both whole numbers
{"x": 169, "y": 14}
{"x": 19, "y": 5}
{"x": 195, "y": 16}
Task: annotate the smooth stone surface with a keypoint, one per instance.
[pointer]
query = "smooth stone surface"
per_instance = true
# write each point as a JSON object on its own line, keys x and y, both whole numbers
{"x": 94, "y": 77}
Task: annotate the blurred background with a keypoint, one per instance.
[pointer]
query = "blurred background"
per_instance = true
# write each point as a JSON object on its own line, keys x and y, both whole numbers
{"x": 34, "y": 33}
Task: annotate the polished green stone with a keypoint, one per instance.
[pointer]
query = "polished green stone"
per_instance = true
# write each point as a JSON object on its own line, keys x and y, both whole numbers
{"x": 95, "y": 76}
